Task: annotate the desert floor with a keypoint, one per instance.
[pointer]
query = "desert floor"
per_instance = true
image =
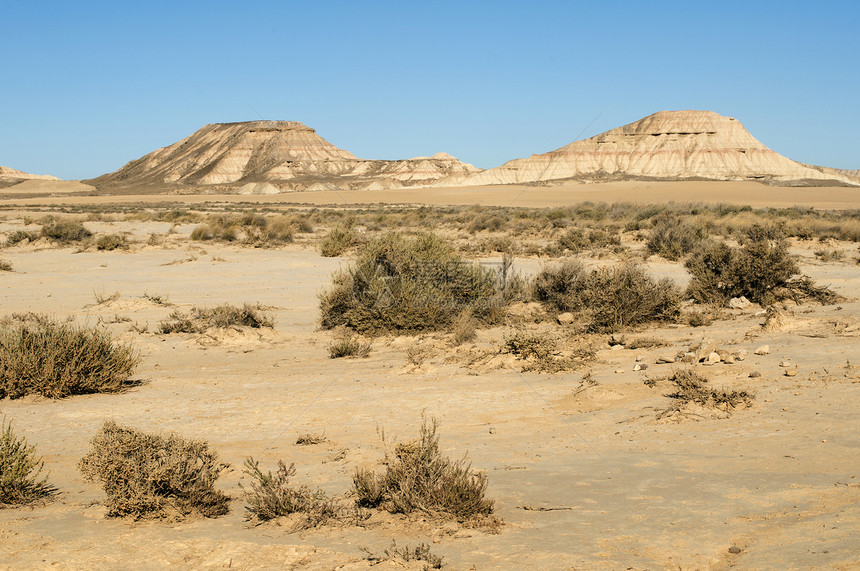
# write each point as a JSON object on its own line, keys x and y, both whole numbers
{"x": 584, "y": 474}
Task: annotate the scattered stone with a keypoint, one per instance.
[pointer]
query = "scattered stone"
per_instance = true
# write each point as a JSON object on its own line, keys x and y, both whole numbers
{"x": 785, "y": 364}
{"x": 734, "y": 549}
{"x": 640, "y": 366}
{"x": 713, "y": 358}
{"x": 565, "y": 318}
{"x": 706, "y": 347}
{"x": 790, "y": 372}
{"x": 739, "y": 303}
{"x": 492, "y": 431}
{"x": 763, "y": 350}
{"x": 665, "y": 359}
{"x": 617, "y": 347}
{"x": 639, "y": 358}
{"x": 754, "y": 374}
{"x": 689, "y": 358}
{"x": 741, "y": 355}
{"x": 619, "y": 371}
{"x": 729, "y": 359}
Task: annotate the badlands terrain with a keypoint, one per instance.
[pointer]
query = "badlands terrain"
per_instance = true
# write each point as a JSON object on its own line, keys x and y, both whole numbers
{"x": 591, "y": 461}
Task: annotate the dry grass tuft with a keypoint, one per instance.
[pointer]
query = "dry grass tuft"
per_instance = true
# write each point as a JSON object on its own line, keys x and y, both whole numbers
{"x": 419, "y": 479}
{"x": 690, "y": 387}
{"x": 65, "y": 231}
{"x": 348, "y": 344}
{"x": 154, "y": 476}
{"x": 337, "y": 241}
{"x": 56, "y": 360}
{"x": 420, "y": 552}
{"x": 20, "y": 471}
{"x": 222, "y": 316}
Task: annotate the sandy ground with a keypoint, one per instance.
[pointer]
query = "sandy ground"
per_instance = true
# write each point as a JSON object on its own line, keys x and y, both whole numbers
{"x": 584, "y": 474}
{"x": 748, "y": 193}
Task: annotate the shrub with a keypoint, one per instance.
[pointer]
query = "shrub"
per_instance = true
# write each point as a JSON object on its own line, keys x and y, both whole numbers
{"x": 5, "y": 266}
{"x": 347, "y": 344}
{"x": 464, "y": 327}
{"x": 410, "y": 284}
{"x": 760, "y": 270}
{"x": 420, "y": 552}
{"x": 222, "y": 316}
{"x": 111, "y": 242}
{"x": 578, "y": 238}
{"x": 690, "y": 387}
{"x": 337, "y": 241}
{"x": 149, "y": 475}
{"x": 542, "y": 354}
{"x": 21, "y": 235}
{"x": 20, "y": 471}
{"x": 486, "y": 221}
{"x": 65, "y": 231}
{"x": 674, "y": 238}
{"x": 419, "y": 479}
{"x": 57, "y": 360}
{"x": 611, "y": 298}
{"x": 271, "y": 496}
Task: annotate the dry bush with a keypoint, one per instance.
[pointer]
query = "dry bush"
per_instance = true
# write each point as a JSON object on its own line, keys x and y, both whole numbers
{"x": 20, "y": 471}
{"x": 645, "y": 343}
{"x": 57, "y": 360}
{"x": 65, "y": 231}
{"x": 200, "y": 319}
{"x": 419, "y": 479}
{"x": 674, "y": 238}
{"x": 309, "y": 439}
{"x": 337, "y": 241}
{"x": 21, "y": 235}
{"x": 5, "y": 266}
{"x": 829, "y": 255}
{"x": 410, "y": 284}
{"x": 271, "y": 496}
{"x": 760, "y": 270}
{"x": 486, "y": 221}
{"x": 541, "y": 353}
{"x": 690, "y": 387}
{"x": 111, "y": 242}
{"x": 348, "y": 344}
{"x": 464, "y": 327}
{"x": 577, "y": 239}
{"x": 420, "y": 552}
{"x": 153, "y": 476}
{"x": 610, "y": 298}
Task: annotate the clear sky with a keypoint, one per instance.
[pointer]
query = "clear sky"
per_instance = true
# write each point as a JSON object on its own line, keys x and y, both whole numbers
{"x": 89, "y": 86}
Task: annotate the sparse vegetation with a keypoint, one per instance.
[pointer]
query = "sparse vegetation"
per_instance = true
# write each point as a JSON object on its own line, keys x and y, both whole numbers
{"x": 21, "y": 235}
{"x": 5, "y": 266}
{"x": 21, "y": 480}
{"x": 153, "y": 476}
{"x": 419, "y": 479}
{"x": 110, "y": 242}
{"x": 200, "y": 319}
{"x": 420, "y": 552}
{"x": 65, "y": 231}
{"x": 609, "y": 298}
{"x": 410, "y": 284}
{"x": 348, "y": 344}
{"x": 337, "y": 241}
{"x": 310, "y": 439}
{"x": 56, "y": 360}
{"x": 690, "y": 387}
{"x": 541, "y": 353}
{"x": 674, "y": 238}
{"x": 271, "y": 496}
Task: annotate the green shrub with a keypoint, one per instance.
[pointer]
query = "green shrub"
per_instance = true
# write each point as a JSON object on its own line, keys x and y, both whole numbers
{"x": 111, "y": 242}
{"x": 674, "y": 238}
{"x": 337, "y": 241}
{"x": 271, "y": 496}
{"x": 410, "y": 284}
{"x": 65, "y": 231}
{"x": 610, "y": 298}
{"x": 20, "y": 471}
{"x": 419, "y": 479}
{"x": 760, "y": 270}
{"x": 58, "y": 360}
{"x": 150, "y": 475}
{"x": 222, "y": 316}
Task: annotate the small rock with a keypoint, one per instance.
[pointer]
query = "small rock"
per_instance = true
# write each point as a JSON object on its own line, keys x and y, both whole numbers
{"x": 729, "y": 359}
{"x": 665, "y": 359}
{"x": 763, "y": 350}
{"x": 706, "y": 347}
{"x": 639, "y": 358}
{"x": 785, "y": 364}
{"x": 739, "y": 303}
{"x": 619, "y": 371}
{"x": 617, "y": 347}
{"x": 734, "y": 549}
{"x": 492, "y": 431}
{"x": 790, "y": 372}
{"x": 565, "y": 318}
{"x": 689, "y": 358}
{"x": 640, "y": 366}
{"x": 754, "y": 374}
{"x": 741, "y": 355}
{"x": 713, "y": 358}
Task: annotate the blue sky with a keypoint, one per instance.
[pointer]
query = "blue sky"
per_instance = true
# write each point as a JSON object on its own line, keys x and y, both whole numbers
{"x": 89, "y": 86}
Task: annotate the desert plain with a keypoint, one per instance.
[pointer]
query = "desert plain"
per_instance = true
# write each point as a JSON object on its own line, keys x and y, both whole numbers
{"x": 587, "y": 468}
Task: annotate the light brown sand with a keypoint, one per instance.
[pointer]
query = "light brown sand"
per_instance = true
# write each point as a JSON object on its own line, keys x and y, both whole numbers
{"x": 745, "y": 193}
{"x": 780, "y": 480}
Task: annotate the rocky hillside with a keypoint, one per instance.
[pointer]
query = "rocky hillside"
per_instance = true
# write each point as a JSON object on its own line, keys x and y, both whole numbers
{"x": 669, "y": 145}
{"x": 265, "y": 157}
